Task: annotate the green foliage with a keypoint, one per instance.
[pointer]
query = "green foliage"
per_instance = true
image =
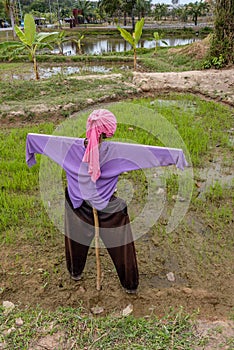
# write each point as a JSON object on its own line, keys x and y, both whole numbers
{"x": 223, "y": 38}
{"x": 30, "y": 41}
{"x": 214, "y": 62}
{"x": 133, "y": 38}
{"x": 77, "y": 41}
{"x": 157, "y": 37}
{"x": 197, "y": 9}
{"x": 215, "y": 192}
{"x": 60, "y": 39}
{"x": 160, "y": 11}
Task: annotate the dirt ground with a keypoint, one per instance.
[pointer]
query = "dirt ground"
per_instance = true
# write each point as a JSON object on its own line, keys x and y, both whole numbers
{"x": 206, "y": 288}
{"x": 217, "y": 85}
{"x": 214, "y": 84}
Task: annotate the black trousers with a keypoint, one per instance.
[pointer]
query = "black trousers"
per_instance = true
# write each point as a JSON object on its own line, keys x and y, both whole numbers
{"x": 115, "y": 232}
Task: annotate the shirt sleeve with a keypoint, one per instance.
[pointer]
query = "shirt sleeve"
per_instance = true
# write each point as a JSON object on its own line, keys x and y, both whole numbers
{"x": 55, "y": 147}
{"x": 133, "y": 157}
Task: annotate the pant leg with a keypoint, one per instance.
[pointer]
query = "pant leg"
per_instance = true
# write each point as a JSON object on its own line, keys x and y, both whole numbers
{"x": 79, "y": 233}
{"x": 115, "y": 231}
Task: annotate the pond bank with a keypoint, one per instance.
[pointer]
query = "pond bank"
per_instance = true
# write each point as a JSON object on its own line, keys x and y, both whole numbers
{"x": 215, "y": 84}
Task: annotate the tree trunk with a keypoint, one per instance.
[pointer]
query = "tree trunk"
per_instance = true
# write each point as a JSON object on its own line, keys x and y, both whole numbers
{"x": 12, "y": 17}
{"x": 223, "y": 38}
{"x": 35, "y": 67}
{"x": 135, "y": 59}
{"x": 125, "y": 18}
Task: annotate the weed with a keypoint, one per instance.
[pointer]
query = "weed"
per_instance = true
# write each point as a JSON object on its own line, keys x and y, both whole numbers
{"x": 215, "y": 192}
{"x": 214, "y": 62}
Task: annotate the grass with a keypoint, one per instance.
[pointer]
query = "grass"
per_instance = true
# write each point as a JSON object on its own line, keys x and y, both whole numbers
{"x": 163, "y": 61}
{"x": 201, "y": 125}
{"x": 55, "y": 93}
{"x": 75, "y": 329}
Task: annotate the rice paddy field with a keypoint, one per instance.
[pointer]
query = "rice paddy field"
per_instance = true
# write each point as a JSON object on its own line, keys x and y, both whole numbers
{"x": 184, "y": 240}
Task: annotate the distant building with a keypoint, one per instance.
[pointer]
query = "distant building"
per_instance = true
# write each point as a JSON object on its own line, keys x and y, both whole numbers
{"x": 40, "y": 21}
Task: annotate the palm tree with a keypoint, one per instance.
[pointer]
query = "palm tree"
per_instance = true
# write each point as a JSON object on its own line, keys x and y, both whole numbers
{"x": 110, "y": 7}
{"x": 197, "y": 9}
{"x": 160, "y": 11}
{"x": 86, "y": 8}
{"x": 142, "y": 7}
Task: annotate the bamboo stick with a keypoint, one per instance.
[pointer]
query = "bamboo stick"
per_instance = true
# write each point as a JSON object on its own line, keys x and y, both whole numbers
{"x": 98, "y": 264}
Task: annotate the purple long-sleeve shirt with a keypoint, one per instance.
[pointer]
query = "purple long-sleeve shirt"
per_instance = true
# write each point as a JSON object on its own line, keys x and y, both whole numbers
{"x": 115, "y": 158}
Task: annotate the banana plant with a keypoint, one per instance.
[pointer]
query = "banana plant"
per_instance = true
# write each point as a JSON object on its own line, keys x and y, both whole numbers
{"x": 133, "y": 38}
{"x": 78, "y": 42}
{"x": 30, "y": 40}
{"x": 60, "y": 40}
{"x": 157, "y": 37}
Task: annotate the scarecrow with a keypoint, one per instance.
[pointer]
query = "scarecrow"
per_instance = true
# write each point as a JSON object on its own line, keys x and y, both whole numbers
{"x": 92, "y": 168}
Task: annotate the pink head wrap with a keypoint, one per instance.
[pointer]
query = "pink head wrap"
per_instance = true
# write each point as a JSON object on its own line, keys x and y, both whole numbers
{"x": 100, "y": 121}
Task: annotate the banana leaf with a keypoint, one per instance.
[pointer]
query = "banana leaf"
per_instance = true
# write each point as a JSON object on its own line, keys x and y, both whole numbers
{"x": 10, "y": 45}
{"x": 29, "y": 29}
{"x": 46, "y": 37}
{"x": 21, "y": 35}
{"x": 127, "y": 36}
{"x": 138, "y": 30}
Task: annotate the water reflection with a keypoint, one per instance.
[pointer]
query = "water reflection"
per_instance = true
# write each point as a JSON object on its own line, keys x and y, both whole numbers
{"x": 95, "y": 46}
{"x": 48, "y": 72}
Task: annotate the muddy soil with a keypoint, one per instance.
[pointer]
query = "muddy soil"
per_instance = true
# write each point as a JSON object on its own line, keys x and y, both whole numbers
{"x": 35, "y": 273}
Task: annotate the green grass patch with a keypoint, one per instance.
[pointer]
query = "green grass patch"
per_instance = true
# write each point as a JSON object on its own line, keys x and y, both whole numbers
{"x": 201, "y": 124}
{"x": 73, "y": 326}
{"x": 57, "y": 91}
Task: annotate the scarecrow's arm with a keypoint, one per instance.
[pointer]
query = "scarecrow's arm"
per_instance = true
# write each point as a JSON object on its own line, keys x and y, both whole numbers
{"x": 127, "y": 157}
{"x": 55, "y": 147}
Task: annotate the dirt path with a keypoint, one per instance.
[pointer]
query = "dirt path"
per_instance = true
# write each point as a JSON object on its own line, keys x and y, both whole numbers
{"x": 216, "y": 84}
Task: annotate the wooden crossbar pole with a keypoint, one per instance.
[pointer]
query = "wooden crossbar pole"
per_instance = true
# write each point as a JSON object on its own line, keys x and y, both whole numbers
{"x": 96, "y": 224}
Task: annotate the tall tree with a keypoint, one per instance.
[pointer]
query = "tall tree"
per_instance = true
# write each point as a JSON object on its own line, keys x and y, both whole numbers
{"x": 223, "y": 38}
{"x": 197, "y": 9}
{"x": 143, "y": 7}
{"x": 85, "y": 6}
{"x": 160, "y": 11}
{"x": 110, "y": 7}
{"x": 11, "y": 10}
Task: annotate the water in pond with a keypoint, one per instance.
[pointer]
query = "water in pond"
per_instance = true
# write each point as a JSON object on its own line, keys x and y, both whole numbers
{"x": 46, "y": 71}
{"x": 95, "y": 46}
